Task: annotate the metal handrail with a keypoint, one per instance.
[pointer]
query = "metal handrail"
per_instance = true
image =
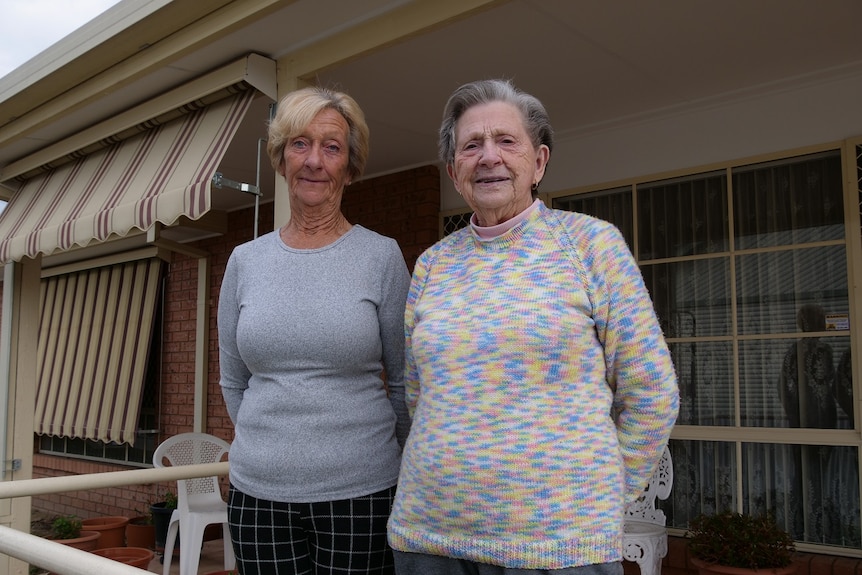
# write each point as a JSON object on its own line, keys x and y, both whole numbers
{"x": 45, "y": 485}
{"x": 57, "y": 557}
{"x": 67, "y": 560}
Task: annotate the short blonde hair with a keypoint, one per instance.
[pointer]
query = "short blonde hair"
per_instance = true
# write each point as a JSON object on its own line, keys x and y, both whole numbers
{"x": 296, "y": 111}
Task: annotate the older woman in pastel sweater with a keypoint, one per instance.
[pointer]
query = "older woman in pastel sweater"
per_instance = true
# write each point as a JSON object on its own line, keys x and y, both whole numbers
{"x": 525, "y": 331}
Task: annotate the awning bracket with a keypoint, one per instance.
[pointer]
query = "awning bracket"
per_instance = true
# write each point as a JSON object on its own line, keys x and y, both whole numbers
{"x": 220, "y": 181}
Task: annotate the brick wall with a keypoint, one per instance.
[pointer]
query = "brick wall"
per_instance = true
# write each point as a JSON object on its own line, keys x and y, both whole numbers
{"x": 678, "y": 562}
{"x": 404, "y": 206}
{"x": 126, "y": 501}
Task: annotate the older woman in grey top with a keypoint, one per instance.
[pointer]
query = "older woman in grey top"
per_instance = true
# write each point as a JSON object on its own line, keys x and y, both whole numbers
{"x": 309, "y": 317}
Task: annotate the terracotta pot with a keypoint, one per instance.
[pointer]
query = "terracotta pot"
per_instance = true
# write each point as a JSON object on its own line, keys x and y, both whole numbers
{"x": 87, "y": 541}
{"x": 134, "y": 556}
{"x": 113, "y": 530}
{"x": 140, "y": 532}
{"x": 704, "y": 568}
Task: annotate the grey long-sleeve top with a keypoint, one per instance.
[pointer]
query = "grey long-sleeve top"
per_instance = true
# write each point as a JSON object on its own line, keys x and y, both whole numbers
{"x": 303, "y": 337}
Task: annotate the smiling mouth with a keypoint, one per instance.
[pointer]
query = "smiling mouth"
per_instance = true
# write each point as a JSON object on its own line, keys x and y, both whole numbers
{"x": 491, "y": 180}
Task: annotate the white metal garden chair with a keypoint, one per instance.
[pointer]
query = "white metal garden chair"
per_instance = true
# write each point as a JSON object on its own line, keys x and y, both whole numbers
{"x": 645, "y": 534}
{"x": 199, "y": 501}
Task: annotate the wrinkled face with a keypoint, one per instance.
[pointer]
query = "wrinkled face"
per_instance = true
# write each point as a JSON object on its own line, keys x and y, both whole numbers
{"x": 316, "y": 161}
{"x": 495, "y": 162}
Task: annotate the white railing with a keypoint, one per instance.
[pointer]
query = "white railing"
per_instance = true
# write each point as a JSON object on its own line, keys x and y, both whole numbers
{"x": 66, "y": 560}
{"x": 57, "y": 557}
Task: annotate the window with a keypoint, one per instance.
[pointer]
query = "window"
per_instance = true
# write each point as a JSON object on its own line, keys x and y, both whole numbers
{"x": 747, "y": 267}
{"x": 98, "y": 362}
{"x": 139, "y": 454}
{"x": 454, "y": 221}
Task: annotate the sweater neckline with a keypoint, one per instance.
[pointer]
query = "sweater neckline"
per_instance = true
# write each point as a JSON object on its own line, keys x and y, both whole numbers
{"x": 349, "y": 233}
{"x": 485, "y": 233}
{"x": 510, "y": 234}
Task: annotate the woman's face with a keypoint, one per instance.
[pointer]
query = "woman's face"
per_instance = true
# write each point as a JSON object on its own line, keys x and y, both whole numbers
{"x": 316, "y": 161}
{"x": 495, "y": 162}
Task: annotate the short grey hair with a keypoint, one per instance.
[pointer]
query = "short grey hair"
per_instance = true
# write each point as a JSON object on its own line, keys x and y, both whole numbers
{"x": 536, "y": 120}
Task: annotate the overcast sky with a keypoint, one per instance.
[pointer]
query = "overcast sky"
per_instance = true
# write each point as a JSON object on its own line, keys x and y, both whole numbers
{"x": 28, "y": 27}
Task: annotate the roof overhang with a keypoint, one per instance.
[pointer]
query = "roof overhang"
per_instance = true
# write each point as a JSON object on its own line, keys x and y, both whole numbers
{"x": 253, "y": 70}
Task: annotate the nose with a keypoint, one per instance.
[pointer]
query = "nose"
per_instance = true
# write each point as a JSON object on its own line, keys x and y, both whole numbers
{"x": 313, "y": 156}
{"x": 490, "y": 153}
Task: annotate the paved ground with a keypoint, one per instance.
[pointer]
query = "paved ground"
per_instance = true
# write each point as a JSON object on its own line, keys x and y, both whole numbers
{"x": 211, "y": 560}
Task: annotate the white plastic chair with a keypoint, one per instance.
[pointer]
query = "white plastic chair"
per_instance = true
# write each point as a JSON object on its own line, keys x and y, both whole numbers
{"x": 645, "y": 535}
{"x": 199, "y": 501}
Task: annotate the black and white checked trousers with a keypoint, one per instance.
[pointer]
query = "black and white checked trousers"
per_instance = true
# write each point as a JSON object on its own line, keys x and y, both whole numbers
{"x": 346, "y": 537}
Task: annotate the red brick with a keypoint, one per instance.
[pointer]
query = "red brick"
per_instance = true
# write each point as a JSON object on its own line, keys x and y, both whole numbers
{"x": 846, "y": 566}
{"x": 819, "y": 564}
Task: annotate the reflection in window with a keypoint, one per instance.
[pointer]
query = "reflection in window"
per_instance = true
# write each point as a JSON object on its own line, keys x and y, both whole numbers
{"x": 807, "y": 377}
{"x": 792, "y": 383}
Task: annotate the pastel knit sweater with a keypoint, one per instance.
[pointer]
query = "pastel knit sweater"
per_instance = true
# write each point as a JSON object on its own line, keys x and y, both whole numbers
{"x": 518, "y": 351}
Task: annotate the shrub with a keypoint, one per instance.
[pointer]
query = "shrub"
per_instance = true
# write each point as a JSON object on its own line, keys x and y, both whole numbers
{"x": 66, "y": 527}
{"x": 736, "y": 540}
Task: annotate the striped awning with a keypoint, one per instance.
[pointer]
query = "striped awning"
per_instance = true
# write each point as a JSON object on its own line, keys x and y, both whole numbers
{"x": 158, "y": 175}
{"x": 94, "y": 341}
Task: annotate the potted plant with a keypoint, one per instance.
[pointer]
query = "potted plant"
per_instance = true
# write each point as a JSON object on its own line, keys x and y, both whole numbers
{"x": 140, "y": 531}
{"x": 736, "y": 543}
{"x": 161, "y": 513}
{"x": 66, "y": 529}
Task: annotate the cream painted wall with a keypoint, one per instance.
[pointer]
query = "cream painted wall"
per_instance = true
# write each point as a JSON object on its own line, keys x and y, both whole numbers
{"x": 701, "y": 135}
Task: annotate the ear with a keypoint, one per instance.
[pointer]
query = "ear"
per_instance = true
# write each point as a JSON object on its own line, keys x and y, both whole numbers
{"x": 450, "y": 169}
{"x": 543, "y": 154}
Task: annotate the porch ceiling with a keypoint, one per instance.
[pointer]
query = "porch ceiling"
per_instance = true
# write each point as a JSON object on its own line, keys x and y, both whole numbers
{"x": 594, "y": 63}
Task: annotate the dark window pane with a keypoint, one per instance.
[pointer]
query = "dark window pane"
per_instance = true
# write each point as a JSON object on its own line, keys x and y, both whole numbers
{"x": 773, "y": 286}
{"x": 683, "y": 216}
{"x": 455, "y": 222}
{"x": 705, "y": 372}
{"x": 614, "y": 206}
{"x": 813, "y": 490}
{"x": 704, "y": 480}
{"x": 691, "y": 298}
{"x": 789, "y": 202}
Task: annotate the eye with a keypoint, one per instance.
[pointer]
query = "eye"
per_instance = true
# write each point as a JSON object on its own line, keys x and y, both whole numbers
{"x": 298, "y": 144}
{"x": 333, "y": 148}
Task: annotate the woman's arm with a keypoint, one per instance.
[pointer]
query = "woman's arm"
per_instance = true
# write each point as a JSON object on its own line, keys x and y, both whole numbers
{"x": 234, "y": 374}
{"x": 395, "y": 282}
